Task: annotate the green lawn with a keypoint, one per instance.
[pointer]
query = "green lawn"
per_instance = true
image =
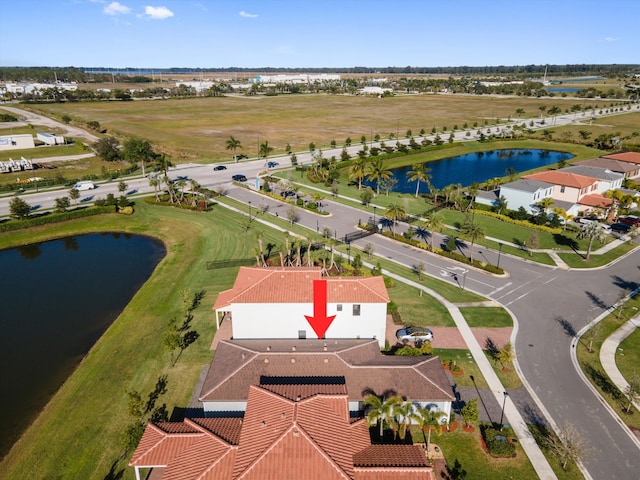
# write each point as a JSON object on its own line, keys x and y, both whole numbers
{"x": 576, "y": 260}
{"x": 628, "y": 356}
{"x": 419, "y": 310}
{"x": 493, "y": 317}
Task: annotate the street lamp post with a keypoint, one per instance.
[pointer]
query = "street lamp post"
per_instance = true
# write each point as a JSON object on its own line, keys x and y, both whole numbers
{"x": 499, "y": 252}
{"x": 348, "y": 251}
{"x": 249, "y": 211}
{"x": 258, "y": 145}
{"x": 374, "y": 214}
{"x": 504, "y": 401}
{"x": 464, "y": 278}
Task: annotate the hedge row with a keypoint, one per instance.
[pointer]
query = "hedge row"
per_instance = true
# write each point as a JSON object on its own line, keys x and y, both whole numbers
{"x": 45, "y": 218}
{"x": 522, "y": 223}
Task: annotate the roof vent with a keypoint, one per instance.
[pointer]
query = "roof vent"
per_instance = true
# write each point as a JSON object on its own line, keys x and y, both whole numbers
{"x": 282, "y": 415}
{"x": 293, "y": 348}
{"x": 296, "y": 433}
{"x": 326, "y": 360}
{"x": 298, "y": 398}
{"x": 268, "y": 348}
{"x": 266, "y": 360}
{"x": 263, "y": 423}
{"x": 243, "y": 356}
{"x": 324, "y": 348}
{"x": 293, "y": 360}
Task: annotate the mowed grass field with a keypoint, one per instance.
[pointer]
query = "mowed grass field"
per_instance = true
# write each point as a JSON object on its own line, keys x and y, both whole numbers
{"x": 198, "y": 128}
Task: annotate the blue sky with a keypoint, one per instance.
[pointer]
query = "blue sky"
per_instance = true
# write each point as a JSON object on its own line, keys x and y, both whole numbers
{"x": 319, "y": 33}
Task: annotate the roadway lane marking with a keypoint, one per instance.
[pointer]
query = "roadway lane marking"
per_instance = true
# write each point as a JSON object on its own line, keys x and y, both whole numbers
{"x": 501, "y": 288}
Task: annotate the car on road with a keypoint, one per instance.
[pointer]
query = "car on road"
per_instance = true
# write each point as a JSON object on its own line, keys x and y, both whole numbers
{"x": 217, "y": 168}
{"x": 414, "y": 334}
{"x": 239, "y": 178}
{"x": 288, "y": 193}
{"x": 272, "y": 164}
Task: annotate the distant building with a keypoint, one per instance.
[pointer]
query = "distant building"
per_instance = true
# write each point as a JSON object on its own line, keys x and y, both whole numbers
{"x": 16, "y": 142}
{"x": 50, "y": 139}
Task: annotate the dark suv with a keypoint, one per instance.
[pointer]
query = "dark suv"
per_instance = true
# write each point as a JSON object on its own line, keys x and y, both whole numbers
{"x": 239, "y": 178}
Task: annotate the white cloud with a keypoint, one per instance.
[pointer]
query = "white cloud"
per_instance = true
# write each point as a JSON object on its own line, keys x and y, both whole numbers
{"x": 157, "y": 13}
{"x": 609, "y": 39}
{"x": 115, "y": 8}
{"x": 247, "y": 15}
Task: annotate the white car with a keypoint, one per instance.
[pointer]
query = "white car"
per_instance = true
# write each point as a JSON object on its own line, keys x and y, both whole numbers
{"x": 414, "y": 334}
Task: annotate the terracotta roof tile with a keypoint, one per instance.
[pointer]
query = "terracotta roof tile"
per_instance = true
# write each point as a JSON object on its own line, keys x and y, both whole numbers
{"x": 596, "y": 200}
{"x": 227, "y": 428}
{"x": 562, "y": 178}
{"x": 372, "y": 473}
{"x": 193, "y": 462}
{"x": 391, "y": 456}
{"x": 295, "y": 285}
{"x": 629, "y": 157}
{"x": 159, "y": 448}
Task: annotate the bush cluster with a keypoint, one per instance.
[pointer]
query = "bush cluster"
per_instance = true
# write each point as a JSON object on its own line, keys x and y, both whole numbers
{"x": 515, "y": 221}
{"x": 497, "y": 443}
{"x": 45, "y": 218}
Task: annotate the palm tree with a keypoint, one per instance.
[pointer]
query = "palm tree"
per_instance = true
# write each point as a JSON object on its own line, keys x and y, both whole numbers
{"x": 153, "y": 181}
{"x": 502, "y": 203}
{"x": 382, "y": 410}
{"x": 431, "y": 420}
{"x": 379, "y": 173}
{"x": 473, "y": 232}
{"x": 562, "y": 213}
{"x": 591, "y": 231}
{"x": 420, "y": 173}
{"x": 405, "y": 414}
{"x": 233, "y": 144}
{"x": 519, "y": 112}
{"x": 434, "y": 221}
{"x": 265, "y": 149}
{"x": 545, "y": 203}
{"x": 357, "y": 171}
{"x": 393, "y": 213}
{"x": 553, "y": 111}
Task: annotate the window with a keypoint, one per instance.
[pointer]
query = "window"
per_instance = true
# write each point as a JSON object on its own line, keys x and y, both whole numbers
{"x": 302, "y": 334}
{"x": 562, "y": 189}
{"x": 339, "y": 307}
{"x": 356, "y": 310}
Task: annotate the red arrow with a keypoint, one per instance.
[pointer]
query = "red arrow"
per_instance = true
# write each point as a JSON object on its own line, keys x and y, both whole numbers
{"x": 320, "y": 322}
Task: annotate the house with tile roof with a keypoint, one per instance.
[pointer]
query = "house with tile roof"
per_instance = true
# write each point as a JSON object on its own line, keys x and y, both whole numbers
{"x": 607, "y": 179}
{"x": 579, "y": 190}
{"x": 628, "y": 157}
{"x": 629, "y": 170}
{"x": 272, "y": 303}
{"x": 322, "y": 364}
{"x": 285, "y": 434}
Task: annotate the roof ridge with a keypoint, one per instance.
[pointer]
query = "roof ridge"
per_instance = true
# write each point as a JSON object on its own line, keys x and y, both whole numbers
{"x": 242, "y": 365}
{"x": 429, "y": 360}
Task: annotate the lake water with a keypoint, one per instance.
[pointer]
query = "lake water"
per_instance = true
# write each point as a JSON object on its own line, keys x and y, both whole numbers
{"x": 476, "y": 167}
{"x": 57, "y": 299}
{"x": 563, "y": 89}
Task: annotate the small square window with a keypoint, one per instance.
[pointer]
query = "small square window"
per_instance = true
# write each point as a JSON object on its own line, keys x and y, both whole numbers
{"x": 339, "y": 307}
{"x": 302, "y": 334}
{"x": 356, "y": 310}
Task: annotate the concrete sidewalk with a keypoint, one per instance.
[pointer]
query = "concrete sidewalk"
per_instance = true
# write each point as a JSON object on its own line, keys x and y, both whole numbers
{"x": 608, "y": 354}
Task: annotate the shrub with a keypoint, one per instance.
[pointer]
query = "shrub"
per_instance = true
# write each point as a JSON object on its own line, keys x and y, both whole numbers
{"x": 408, "y": 351}
{"x": 54, "y": 218}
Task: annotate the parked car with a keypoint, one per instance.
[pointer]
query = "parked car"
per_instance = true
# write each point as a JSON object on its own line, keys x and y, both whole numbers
{"x": 414, "y": 334}
{"x": 239, "y": 178}
{"x": 288, "y": 193}
{"x": 630, "y": 220}
{"x": 219, "y": 167}
{"x": 272, "y": 164}
{"x": 587, "y": 220}
{"x": 620, "y": 227}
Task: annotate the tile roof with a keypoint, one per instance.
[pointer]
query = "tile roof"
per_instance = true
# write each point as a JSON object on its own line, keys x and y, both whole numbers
{"x": 610, "y": 163}
{"x": 558, "y": 177}
{"x": 596, "y": 200}
{"x": 594, "y": 172}
{"x": 359, "y": 362}
{"x": 390, "y": 455}
{"x": 295, "y": 285}
{"x": 629, "y": 157}
{"x": 282, "y": 439}
{"x": 527, "y": 185}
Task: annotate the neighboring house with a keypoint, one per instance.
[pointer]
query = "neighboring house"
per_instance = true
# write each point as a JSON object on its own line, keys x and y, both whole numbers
{"x": 607, "y": 179}
{"x": 629, "y": 170}
{"x": 358, "y": 364}
{"x": 294, "y": 431}
{"x": 273, "y": 302}
{"x": 490, "y": 197}
{"x": 525, "y": 193}
{"x": 628, "y": 157}
{"x": 50, "y": 138}
{"x": 573, "y": 188}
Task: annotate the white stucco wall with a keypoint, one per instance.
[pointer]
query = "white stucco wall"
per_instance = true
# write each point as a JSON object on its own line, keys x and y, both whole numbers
{"x": 255, "y": 321}
{"x": 210, "y": 407}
